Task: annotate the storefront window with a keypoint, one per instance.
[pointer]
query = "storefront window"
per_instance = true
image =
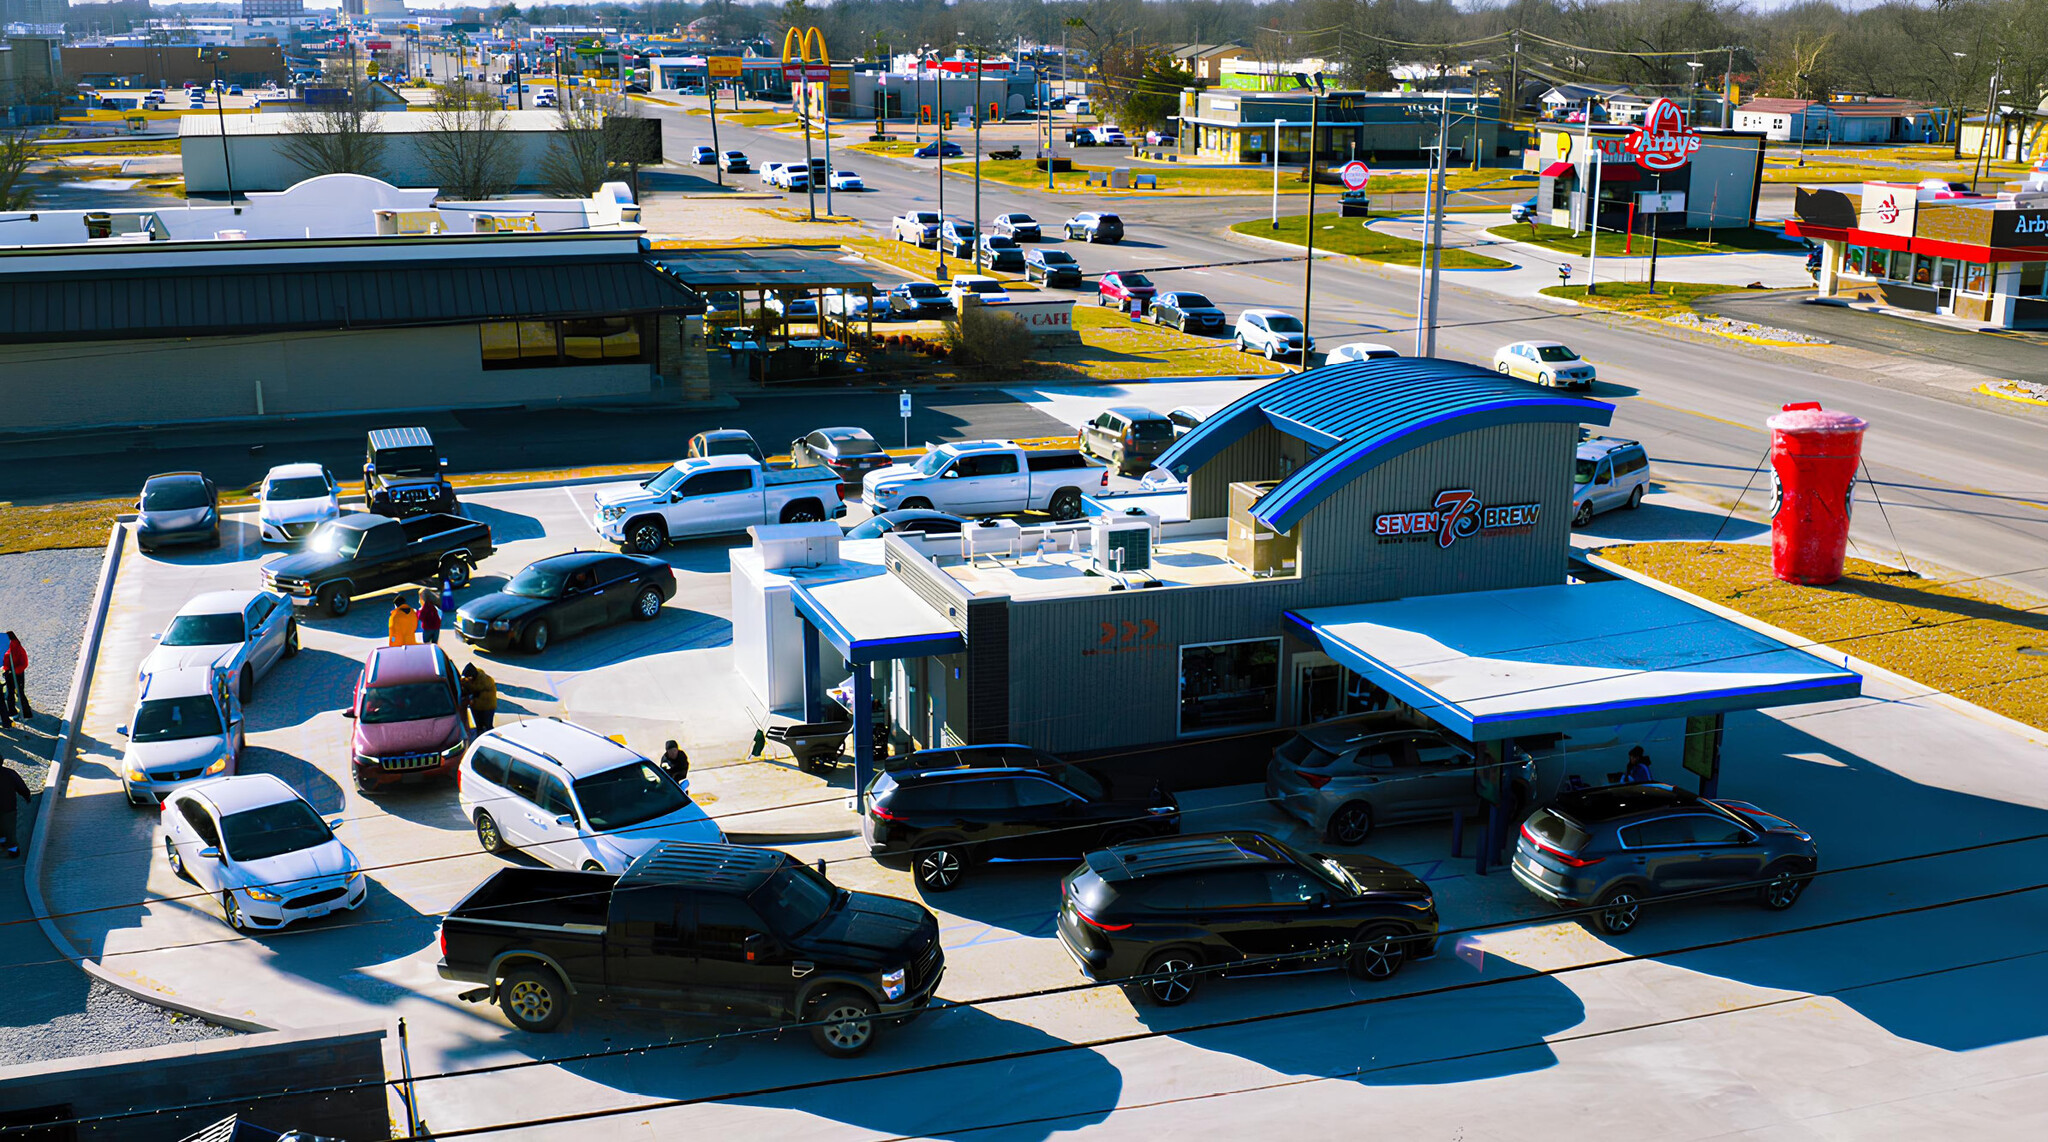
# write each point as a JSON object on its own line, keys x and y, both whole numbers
{"x": 1229, "y": 684}
{"x": 1923, "y": 270}
{"x": 1976, "y": 278}
{"x": 1852, "y": 260}
{"x": 545, "y": 344}
{"x": 1876, "y": 261}
{"x": 2032, "y": 275}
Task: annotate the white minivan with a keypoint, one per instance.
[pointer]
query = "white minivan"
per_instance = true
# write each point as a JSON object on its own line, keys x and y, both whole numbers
{"x": 573, "y": 798}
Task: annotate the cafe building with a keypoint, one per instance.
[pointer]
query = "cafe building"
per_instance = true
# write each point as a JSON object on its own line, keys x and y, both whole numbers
{"x": 1380, "y": 532}
{"x": 1926, "y": 247}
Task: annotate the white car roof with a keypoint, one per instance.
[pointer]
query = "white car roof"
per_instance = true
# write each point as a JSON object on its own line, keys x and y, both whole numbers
{"x": 1265, "y": 313}
{"x": 218, "y": 603}
{"x": 244, "y": 791}
{"x": 1367, "y": 347}
{"x": 1544, "y": 344}
{"x": 974, "y": 279}
{"x": 287, "y": 471}
{"x": 579, "y": 750}
{"x": 178, "y": 682}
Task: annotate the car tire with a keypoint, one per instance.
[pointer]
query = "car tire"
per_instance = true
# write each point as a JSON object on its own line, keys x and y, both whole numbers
{"x": 360, "y": 778}
{"x": 1783, "y": 885}
{"x": 1066, "y": 504}
{"x": 291, "y": 638}
{"x": 213, "y": 540}
{"x": 647, "y": 607}
{"x": 1584, "y": 515}
{"x": 533, "y": 999}
{"x": 1618, "y": 911}
{"x": 176, "y": 862}
{"x": 802, "y": 513}
{"x": 1237, "y": 343}
{"x": 1635, "y": 497}
{"x": 939, "y": 865}
{"x": 842, "y": 1022}
{"x": 455, "y": 572}
{"x": 488, "y": 838}
{"x": 1183, "y": 325}
{"x": 1377, "y": 954}
{"x": 535, "y": 637}
{"x": 231, "y": 912}
{"x": 917, "y": 503}
{"x": 1270, "y": 355}
{"x": 245, "y": 686}
{"x": 336, "y": 599}
{"x": 1350, "y": 824}
{"x": 1173, "y": 977}
{"x": 1501, "y": 367}
{"x": 647, "y": 536}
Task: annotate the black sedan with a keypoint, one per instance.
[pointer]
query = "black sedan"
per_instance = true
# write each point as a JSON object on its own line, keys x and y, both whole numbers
{"x": 564, "y": 595}
{"x": 914, "y": 521}
{"x": 851, "y": 453}
{"x": 177, "y": 507}
{"x": 931, "y": 151}
{"x": 1187, "y": 312}
{"x": 725, "y": 442}
{"x": 1001, "y": 255}
{"x": 1157, "y": 911}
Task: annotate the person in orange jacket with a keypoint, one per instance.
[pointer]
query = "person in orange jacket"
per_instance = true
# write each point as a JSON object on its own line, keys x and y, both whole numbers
{"x": 405, "y": 623}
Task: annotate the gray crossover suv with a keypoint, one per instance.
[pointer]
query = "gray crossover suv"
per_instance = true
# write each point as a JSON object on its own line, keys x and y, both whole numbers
{"x": 1347, "y": 776}
{"x": 1616, "y": 846}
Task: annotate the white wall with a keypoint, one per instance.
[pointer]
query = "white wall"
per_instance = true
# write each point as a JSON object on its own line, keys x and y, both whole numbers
{"x": 260, "y": 163}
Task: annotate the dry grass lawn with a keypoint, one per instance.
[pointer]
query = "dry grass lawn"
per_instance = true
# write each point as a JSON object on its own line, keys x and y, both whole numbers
{"x": 1973, "y": 639}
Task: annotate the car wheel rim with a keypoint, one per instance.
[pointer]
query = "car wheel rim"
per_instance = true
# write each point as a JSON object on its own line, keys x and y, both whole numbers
{"x": 1350, "y": 826}
{"x": 650, "y": 604}
{"x": 171, "y": 855}
{"x": 1620, "y": 914}
{"x": 1379, "y": 959}
{"x": 530, "y": 1001}
{"x": 540, "y": 637}
{"x": 1585, "y": 515}
{"x": 231, "y": 911}
{"x": 941, "y": 868}
{"x": 1782, "y": 891}
{"x": 487, "y": 832}
{"x": 847, "y": 1027}
{"x": 1170, "y": 983}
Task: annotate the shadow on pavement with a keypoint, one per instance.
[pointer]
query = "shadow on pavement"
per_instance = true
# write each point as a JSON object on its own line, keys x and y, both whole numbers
{"x": 322, "y": 792}
{"x": 301, "y": 688}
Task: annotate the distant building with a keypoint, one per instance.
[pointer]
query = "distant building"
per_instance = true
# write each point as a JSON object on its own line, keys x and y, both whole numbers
{"x": 172, "y": 64}
{"x": 1862, "y": 119}
{"x": 36, "y": 13}
{"x": 1204, "y": 60}
{"x": 254, "y": 9}
{"x": 1717, "y": 187}
{"x": 31, "y": 69}
{"x": 1230, "y": 125}
{"x": 258, "y": 146}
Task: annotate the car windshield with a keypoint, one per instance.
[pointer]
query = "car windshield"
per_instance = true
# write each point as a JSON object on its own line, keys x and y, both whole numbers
{"x": 173, "y": 496}
{"x": 406, "y": 702}
{"x": 985, "y": 285}
{"x": 204, "y": 630}
{"x": 665, "y": 483}
{"x": 1134, "y": 281}
{"x": 922, "y": 289}
{"x": 1192, "y": 301}
{"x": 334, "y": 539}
{"x": 408, "y": 461}
{"x": 794, "y": 900}
{"x": 1022, "y": 220}
{"x": 1080, "y": 781}
{"x": 931, "y": 462}
{"x": 175, "y": 719}
{"x": 1282, "y": 323}
{"x": 538, "y": 581}
{"x": 1582, "y": 471}
{"x": 298, "y": 488}
{"x": 629, "y": 795}
{"x": 1555, "y": 353}
{"x": 273, "y": 830}
{"x": 1057, "y": 258}
{"x": 728, "y": 446}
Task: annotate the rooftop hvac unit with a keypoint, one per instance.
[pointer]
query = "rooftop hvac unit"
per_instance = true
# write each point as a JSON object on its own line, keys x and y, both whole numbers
{"x": 1122, "y": 544}
{"x": 789, "y": 546}
{"x": 1257, "y": 548}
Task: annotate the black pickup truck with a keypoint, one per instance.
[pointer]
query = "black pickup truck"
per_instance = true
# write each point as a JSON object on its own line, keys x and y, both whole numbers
{"x": 360, "y": 553}
{"x": 746, "y": 935}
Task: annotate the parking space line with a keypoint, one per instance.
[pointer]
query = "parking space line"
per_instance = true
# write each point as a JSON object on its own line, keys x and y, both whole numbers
{"x": 576, "y": 504}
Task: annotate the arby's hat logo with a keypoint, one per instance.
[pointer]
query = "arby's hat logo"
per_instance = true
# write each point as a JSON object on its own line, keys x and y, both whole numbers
{"x": 1663, "y": 142}
{"x": 1888, "y": 210}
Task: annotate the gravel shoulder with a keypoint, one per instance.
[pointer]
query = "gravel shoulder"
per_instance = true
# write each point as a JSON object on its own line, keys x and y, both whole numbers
{"x": 52, "y": 1010}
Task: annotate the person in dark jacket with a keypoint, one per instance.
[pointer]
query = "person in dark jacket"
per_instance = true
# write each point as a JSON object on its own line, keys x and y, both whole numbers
{"x": 430, "y": 617}
{"x": 675, "y": 761}
{"x": 1638, "y": 771}
{"x": 13, "y": 793}
{"x": 15, "y": 664}
{"x": 480, "y": 694}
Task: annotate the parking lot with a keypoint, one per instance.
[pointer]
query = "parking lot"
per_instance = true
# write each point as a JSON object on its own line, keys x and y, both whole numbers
{"x": 1873, "y": 779}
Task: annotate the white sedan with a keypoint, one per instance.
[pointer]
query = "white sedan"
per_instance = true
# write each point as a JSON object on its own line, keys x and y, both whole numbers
{"x": 241, "y": 634}
{"x": 845, "y": 180}
{"x": 261, "y": 851}
{"x": 1544, "y": 362}
{"x": 294, "y": 499}
{"x": 1360, "y": 351}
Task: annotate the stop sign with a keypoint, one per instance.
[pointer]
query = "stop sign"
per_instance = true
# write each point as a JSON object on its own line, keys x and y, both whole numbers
{"x": 1356, "y": 175}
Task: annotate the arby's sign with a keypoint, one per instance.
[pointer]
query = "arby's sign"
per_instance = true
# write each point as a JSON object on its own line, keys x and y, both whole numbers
{"x": 1664, "y": 142}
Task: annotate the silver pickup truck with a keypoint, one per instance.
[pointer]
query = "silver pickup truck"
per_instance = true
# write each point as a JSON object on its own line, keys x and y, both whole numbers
{"x": 713, "y": 495}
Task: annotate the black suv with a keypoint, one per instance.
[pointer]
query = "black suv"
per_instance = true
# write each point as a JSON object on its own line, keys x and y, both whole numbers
{"x": 940, "y": 821}
{"x": 402, "y": 473}
{"x": 733, "y": 932}
{"x": 1618, "y": 845}
{"x": 1166, "y": 909}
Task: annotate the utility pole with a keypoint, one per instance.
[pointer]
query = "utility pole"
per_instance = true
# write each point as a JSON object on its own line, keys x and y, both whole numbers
{"x": 1277, "y": 124}
{"x": 980, "y": 55}
{"x": 1436, "y": 240}
{"x": 825, "y": 108}
{"x": 213, "y": 55}
{"x": 711, "y": 97}
{"x": 939, "y": 166}
{"x": 1728, "y": 91}
{"x": 1308, "y": 230}
{"x": 810, "y": 184}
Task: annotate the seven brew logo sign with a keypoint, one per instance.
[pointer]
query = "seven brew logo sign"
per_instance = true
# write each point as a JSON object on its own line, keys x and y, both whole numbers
{"x": 1457, "y": 514}
{"x": 1663, "y": 142}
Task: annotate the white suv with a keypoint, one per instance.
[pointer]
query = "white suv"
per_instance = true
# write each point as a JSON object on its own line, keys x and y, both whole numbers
{"x": 572, "y": 798}
{"x": 771, "y": 173}
{"x": 1272, "y": 333}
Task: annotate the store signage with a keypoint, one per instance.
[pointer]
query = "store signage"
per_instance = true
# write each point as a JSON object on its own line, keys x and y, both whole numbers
{"x": 1610, "y": 150}
{"x": 1458, "y": 513}
{"x": 1664, "y": 142}
{"x": 1660, "y": 202}
{"x": 724, "y": 67}
{"x": 1356, "y": 175}
{"x": 1888, "y": 209}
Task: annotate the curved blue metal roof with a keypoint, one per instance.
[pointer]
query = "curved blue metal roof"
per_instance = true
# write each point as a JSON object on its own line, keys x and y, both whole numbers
{"x": 1364, "y": 413}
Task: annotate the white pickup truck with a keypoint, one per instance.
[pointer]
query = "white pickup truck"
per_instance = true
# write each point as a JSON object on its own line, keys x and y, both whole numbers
{"x": 713, "y": 495}
{"x": 918, "y": 227}
{"x": 986, "y": 477}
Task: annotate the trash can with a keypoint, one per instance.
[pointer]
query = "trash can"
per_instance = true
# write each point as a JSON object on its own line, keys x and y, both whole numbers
{"x": 1814, "y": 454}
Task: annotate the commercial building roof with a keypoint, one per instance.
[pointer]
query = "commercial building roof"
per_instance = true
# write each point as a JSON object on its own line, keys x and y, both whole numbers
{"x": 210, "y": 300}
{"x": 1362, "y": 414}
{"x": 876, "y": 618}
{"x": 383, "y": 122}
{"x": 1502, "y": 664}
{"x": 783, "y": 269}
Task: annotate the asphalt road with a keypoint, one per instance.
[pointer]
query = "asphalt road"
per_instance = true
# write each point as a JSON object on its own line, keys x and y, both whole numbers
{"x": 2021, "y": 354}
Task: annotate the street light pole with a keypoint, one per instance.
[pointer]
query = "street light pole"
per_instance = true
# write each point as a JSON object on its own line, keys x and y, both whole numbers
{"x": 213, "y": 55}
{"x": 980, "y": 54}
{"x": 1308, "y": 265}
{"x": 1277, "y": 124}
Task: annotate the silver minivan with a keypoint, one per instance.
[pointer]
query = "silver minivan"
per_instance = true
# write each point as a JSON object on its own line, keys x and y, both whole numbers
{"x": 1608, "y": 474}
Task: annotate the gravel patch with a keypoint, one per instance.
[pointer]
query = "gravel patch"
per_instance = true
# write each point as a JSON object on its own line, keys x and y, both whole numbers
{"x": 1713, "y": 324}
{"x": 53, "y": 1010}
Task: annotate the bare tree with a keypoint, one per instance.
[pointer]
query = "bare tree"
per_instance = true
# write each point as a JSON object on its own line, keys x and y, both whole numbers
{"x": 465, "y": 146}
{"x": 584, "y": 152}
{"x": 338, "y": 135}
{"x": 17, "y": 151}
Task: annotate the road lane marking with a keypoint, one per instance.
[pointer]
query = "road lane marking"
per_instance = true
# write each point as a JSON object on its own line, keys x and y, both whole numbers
{"x": 578, "y": 505}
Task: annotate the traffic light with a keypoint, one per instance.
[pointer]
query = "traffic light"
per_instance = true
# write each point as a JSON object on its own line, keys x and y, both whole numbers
{"x": 949, "y": 120}
{"x": 995, "y": 110}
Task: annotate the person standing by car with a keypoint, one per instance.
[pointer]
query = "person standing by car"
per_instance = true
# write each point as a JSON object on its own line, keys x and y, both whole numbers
{"x": 675, "y": 761}
{"x": 430, "y": 618}
{"x": 15, "y": 663}
{"x": 13, "y": 793}
{"x": 480, "y": 694}
{"x": 405, "y": 624}
{"x": 6, "y": 682}
{"x": 1638, "y": 771}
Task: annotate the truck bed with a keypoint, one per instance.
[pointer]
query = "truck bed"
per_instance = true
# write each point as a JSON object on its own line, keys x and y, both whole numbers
{"x": 539, "y": 897}
{"x": 772, "y": 477}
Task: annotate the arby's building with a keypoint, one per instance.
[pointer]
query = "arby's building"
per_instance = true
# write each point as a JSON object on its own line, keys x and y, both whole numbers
{"x": 1690, "y": 178}
{"x": 1927, "y": 247}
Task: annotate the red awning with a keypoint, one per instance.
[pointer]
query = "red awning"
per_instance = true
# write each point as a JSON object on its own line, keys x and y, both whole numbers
{"x": 1620, "y": 172}
{"x": 1556, "y": 169}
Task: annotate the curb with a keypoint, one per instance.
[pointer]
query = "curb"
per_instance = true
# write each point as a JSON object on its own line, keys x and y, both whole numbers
{"x": 53, "y": 790}
{"x": 1991, "y": 389}
{"x": 1914, "y": 687}
{"x": 767, "y": 839}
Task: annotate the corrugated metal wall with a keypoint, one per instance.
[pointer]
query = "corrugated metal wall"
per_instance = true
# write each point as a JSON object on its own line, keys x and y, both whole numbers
{"x": 1254, "y": 457}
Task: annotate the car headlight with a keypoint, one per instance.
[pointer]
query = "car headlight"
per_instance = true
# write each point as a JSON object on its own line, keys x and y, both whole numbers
{"x": 220, "y": 765}
{"x": 134, "y": 773}
{"x": 888, "y": 492}
{"x": 501, "y": 624}
{"x": 611, "y": 513}
{"x": 263, "y": 894}
{"x": 893, "y": 983}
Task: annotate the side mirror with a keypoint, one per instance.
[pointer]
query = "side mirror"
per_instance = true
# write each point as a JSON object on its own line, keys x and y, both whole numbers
{"x": 566, "y": 819}
{"x": 210, "y": 853}
{"x": 350, "y": 713}
{"x": 122, "y": 730}
{"x": 335, "y": 823}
